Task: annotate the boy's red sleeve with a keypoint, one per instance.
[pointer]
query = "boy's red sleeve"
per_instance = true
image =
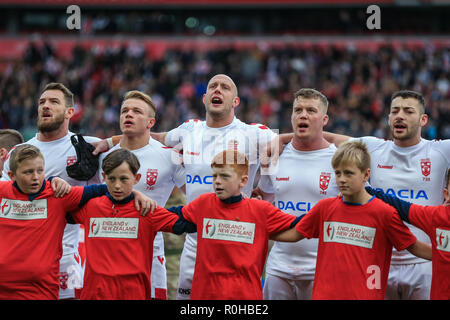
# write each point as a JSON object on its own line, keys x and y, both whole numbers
{"x": 163, "y": 219}
{"x": 277, "y": 220}
{"x": 189, "y": 210}
{"x": 422, "y": 217}
{"x": 398, "y": 233}
{"x": 71, "y": 200}
{"x": 311, "y": 223}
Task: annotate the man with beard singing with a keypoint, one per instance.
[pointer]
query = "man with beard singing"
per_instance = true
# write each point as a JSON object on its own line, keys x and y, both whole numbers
{"x": 53, "y": 140}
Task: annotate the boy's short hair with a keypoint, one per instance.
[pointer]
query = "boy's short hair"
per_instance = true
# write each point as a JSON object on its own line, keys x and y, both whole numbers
{"x": 354, "y": 152}
{"x": 68, "y": 95}
{"x": 308, "y": 93}
{"x": 9, "y": 138}
{"x": 233, "y": 158}
{"x": 117, "y": 157}
{"x": 21, "y": 153}
{"x": 411, "y": 94}
{"x": 135, "y": 94}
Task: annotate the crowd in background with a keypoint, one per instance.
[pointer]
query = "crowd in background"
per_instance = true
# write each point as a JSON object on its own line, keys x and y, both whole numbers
{"x": 357, "y": 83}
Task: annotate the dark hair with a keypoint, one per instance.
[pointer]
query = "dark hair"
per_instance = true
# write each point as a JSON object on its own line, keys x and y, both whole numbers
{"x": 9, "y": 138}
{"x": 117, "y": 157}
{"x": 68, "y": 95}
{"x": 21, "y": 153}
{"x": 411, "y": 94}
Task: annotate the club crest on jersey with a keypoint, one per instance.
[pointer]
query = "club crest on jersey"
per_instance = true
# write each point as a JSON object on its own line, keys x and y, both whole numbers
{"x": 71, "y": 160}
{"x": 324, "y": 182}
{"x": 152, "y": 176}
{"x": 425, "y": 166}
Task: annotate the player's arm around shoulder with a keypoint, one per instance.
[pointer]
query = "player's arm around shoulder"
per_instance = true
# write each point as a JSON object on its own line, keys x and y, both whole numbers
{"x": 335, "y": 138}
{"x": 442, "y": 146}
{"x": 421, "y": 249}
{"x": 280, "y": 225}
{"x": 172, "y": 220}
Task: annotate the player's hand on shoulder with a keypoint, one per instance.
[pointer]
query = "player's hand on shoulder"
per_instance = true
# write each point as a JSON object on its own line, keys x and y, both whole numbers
{"x": 60, "y": 187}
{"x": 143, "y": 203}
{"x": 100, "y": 146}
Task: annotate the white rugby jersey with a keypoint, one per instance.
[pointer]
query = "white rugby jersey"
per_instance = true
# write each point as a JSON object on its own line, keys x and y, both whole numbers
{"x": 415, "y": 174}
{"x": 303, "y": 178}
{"x": 201, "y": 143}
{"x": 159, "y": 174}
{"x": 59, "y": 154}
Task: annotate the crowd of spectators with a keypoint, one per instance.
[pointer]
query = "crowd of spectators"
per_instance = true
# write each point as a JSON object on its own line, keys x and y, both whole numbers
{"x": 358, "y": 84}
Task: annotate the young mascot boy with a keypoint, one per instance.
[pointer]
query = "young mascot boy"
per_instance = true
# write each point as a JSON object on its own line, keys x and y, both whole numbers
{"x": 356, "y": 233}
{"x": 435, "y": 222}
{"x": 233, "y": 233}
{"x": 119, "y": 241}
{"x": 32, "y": 221}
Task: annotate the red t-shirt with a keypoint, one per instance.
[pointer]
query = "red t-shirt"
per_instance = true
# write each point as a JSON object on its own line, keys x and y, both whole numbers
{"x": 31, "y": 241}
{"x": 119, "y": 248}
{"x": 435, "y": 221}
{"x": 355, "y": 246}
{"x": 232, "y": 245}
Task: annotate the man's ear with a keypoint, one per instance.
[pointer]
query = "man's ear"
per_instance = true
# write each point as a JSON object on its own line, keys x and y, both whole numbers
{"x": 236, "y": 102}
{"x": 3, "y": 153}
{"x": 423, "y": 119}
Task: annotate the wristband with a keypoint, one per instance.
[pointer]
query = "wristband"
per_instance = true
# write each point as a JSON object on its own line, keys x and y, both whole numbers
{"x": 110, "y": 142}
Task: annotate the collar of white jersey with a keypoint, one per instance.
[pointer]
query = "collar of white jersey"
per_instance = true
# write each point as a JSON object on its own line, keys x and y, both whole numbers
{"x": 410, "y": 148}
{"x": 67, "y": 136}
{"x": 233, "y": 123}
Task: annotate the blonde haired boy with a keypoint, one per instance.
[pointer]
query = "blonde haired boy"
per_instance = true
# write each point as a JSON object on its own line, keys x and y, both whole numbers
{"x": 356, "y": 233}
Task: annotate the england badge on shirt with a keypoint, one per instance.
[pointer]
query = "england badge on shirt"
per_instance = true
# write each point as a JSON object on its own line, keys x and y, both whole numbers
{"x": 152, "y": 176}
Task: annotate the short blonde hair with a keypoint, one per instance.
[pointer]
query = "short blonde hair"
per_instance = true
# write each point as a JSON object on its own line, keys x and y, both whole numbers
{"x": 21, "y": 153}
{"x": 352, "y": 152}
{"x": 233, "y": 158}
{"x": 136, "y": 94}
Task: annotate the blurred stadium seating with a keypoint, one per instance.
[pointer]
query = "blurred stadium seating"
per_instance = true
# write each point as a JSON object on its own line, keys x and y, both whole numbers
{"x": 165, "y": 49}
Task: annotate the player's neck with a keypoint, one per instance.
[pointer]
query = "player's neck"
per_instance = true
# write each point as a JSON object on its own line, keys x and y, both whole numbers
{"x": 408, "y": 142}
{"x": 309, "y": 144}
{"x": 361, "y": 197}
{"x": 52, "y": 135}
{"x": 219, "y": 122}
{"x": 132, "y": 142}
